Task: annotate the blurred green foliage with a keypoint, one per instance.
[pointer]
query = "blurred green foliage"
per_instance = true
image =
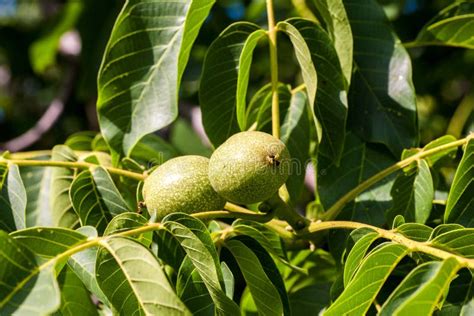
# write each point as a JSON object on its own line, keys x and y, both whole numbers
{"x": 35, "y": 57}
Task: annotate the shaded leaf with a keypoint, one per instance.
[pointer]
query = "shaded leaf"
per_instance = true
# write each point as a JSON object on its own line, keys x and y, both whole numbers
{"x": 460, "y": 204}
{"x": 75, "y": 299}
{"x": 12, "y": 198}
{"x": 133, "y": 280}
{"x": 81, "y": 140}
{"x": 452, "y": 26}
{"x": 224, "y": 80}
{"x": 358, "y": 162}
{"x": 422, "y": 288}
{"x": 295, "y": 133}
{"x": 310, "y": 300}
{"x": 196, "y": 241}
{"x": 192, "y": 290}
{"x": 186, "y": 141}
{"x": 315, "y": 52}
{"x": 229, "y": 280}
{"x": 264, "y": 294}
{"x": 152, "y": 150}
{"x": 382, "y": 97}
{"x": 142, "y": 66}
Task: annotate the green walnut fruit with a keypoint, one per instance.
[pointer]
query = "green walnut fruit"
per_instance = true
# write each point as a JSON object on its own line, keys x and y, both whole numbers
{"x": 181, "y": 185}
{"x": 249, "y": 167}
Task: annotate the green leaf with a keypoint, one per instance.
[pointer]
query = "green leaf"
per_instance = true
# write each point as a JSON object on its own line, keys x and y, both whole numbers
{"x": 358, "y": 162}
{"x": 12, "y": 198}
{"x": 437, "y": 157}
{"x": 133, "y": 280}
{"x": 413, "y": 194}
{"x": 452, "y": 26}
{"x": 196, "y": 241}
{"x": 366, "y": 283}
{"x": 295, "y": 133}
{"x": 356, "y": 255}
{"x": 186, "y": 141}
{"x": 142, "y": 68}
{"x": 43, "y": 50}
{"x": 83, "y": 264}
{"x": 259, "y": 110}
{"x": 224, "y": 80}
{"x": 95, "y": 198}
{"x": 415, "y": 231}
{"x": 460, "y": 241}
{"x": 75, "y": 299}
{"x": 459, "y": 207}
{"x": 167, "y": 248}
{"x": 310, "y": 300}
{"x": 339, "y": 29}
{"x": 62, "y": 212}
{"x": 421, "y": 290}
{"x": 48, "y": 242}
{"x": 264, "y": 293}
{"x": 128, "y": 221}
{"x": 25, "y": 287}
{"x": 152, "y": 150}
{"x": 266, "y": 238}
{"x": 192, "y": 290}
{"x": 81, "y": 140}
{"x": 444, "y": 228}
{"x": 37, "y": 183}
{"x": 382, "y": 97}
{"x": 229, "y": 280}
{"x": 315, "y": 52}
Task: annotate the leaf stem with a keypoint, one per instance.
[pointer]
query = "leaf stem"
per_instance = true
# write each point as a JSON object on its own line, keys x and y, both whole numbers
{"x": 412, "y": 245}
{"x": 74, "y": 164}
{"x": 337, "y": 207}
{"x": 272, "y": 36}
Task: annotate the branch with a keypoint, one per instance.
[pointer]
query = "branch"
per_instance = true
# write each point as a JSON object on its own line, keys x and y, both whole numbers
{"x": 335, "y": 209}
{"x": 412, "y": 245}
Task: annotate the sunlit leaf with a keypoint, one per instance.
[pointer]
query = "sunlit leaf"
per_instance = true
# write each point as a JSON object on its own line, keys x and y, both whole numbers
{"x": 133, "y": 280}
{"x": 368, "y": 280}
{"x": 339, "y": 29}
{"x": 422, "y": 288}
{"x": 453, "y": 26}
{"x": 459, "y": 207}
{"x": 142, "y": 67}
{"x": 413, "y": 194}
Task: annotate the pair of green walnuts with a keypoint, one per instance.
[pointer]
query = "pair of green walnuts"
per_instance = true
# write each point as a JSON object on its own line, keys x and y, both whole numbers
{"x": 248, "y": 168}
